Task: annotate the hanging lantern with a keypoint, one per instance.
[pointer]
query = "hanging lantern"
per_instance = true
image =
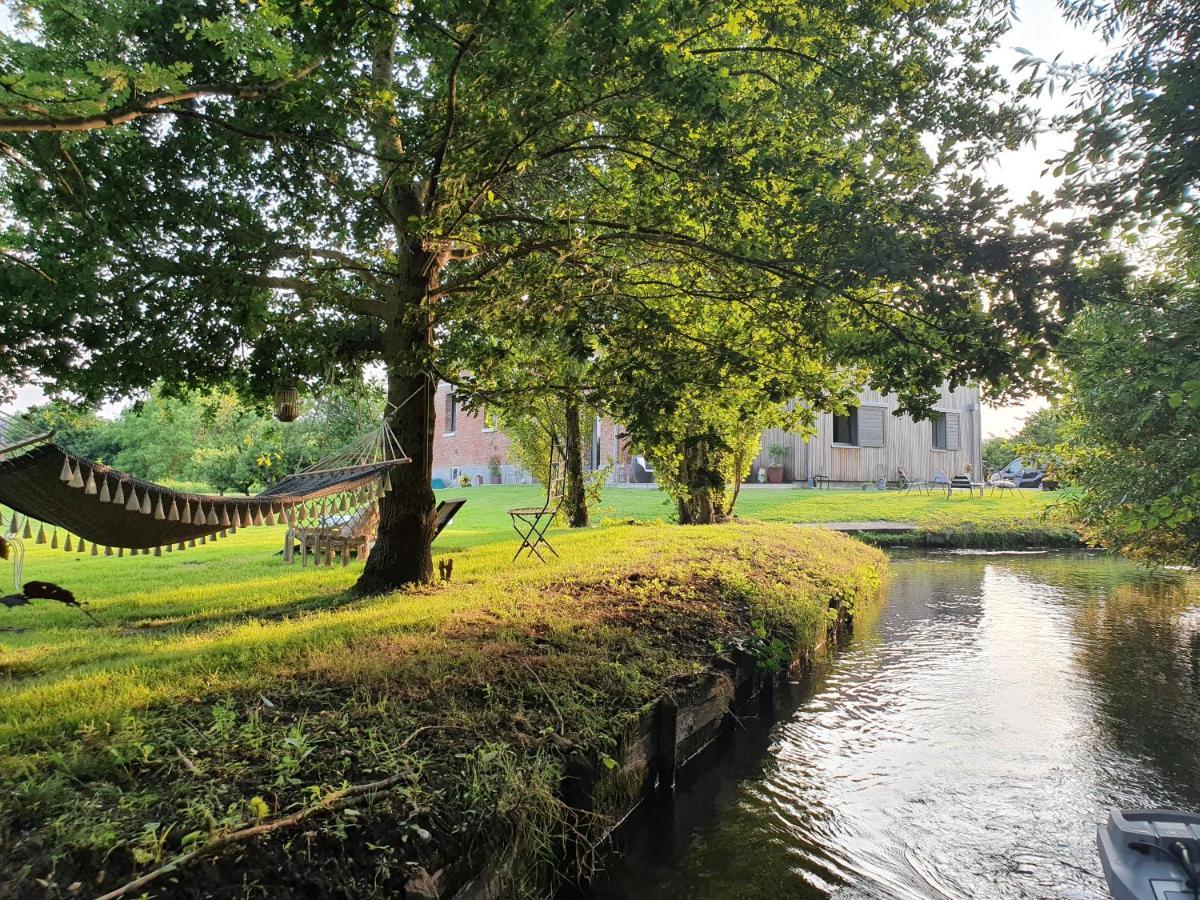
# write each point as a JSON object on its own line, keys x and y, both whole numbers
{"x": 287, "y": 404}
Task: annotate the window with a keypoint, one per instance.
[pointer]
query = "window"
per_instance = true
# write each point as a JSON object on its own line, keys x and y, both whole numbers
{"x": 488, "y": 424}
{"x": 939, "y": 431}
{"x": 945, "y": 431}
{"x": 596, "y": 443}
{"x": 845, "y": 428}
{"x": 451, "y": 413}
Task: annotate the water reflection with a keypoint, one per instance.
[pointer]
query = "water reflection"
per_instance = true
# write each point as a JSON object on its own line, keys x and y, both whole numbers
{"x": 964, "y": 744}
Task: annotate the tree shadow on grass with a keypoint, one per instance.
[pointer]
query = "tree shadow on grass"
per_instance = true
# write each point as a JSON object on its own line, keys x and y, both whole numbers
{"x": 214, "y": 618}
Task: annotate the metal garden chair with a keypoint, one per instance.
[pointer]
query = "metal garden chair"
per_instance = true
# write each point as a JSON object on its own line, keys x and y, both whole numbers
{"x": 908, "y": 483}
{"x": 531, "y": 522}
{"x": 1001, "y": 481}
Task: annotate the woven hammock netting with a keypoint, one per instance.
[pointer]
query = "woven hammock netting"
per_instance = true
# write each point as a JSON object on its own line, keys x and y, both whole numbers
{"x": 85, "y": 507}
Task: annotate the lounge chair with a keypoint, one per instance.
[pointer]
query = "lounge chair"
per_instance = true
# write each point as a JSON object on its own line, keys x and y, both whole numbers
{"x": 1001, "y": 481}
{"x": 908, "y": 483}
{"x": 1020, "y": 476}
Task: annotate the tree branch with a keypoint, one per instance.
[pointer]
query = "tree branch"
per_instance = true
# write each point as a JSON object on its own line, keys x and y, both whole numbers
{"x": 448, "y": 131}
{"x": 16, "y": 260}
{"x": 767, "y": 48}
{"x": 369, "y": 274}
{"x": 151, "y": 102}
{"x": 302, "y": 287}
{"x": 265, "y": 136}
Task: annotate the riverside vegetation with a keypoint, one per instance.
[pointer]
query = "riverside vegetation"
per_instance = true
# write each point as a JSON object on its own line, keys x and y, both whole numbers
{"x": 225, "y": 694}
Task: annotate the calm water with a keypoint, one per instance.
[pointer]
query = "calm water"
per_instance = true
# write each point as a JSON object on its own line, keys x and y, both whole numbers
{"x": 963, "y": 744}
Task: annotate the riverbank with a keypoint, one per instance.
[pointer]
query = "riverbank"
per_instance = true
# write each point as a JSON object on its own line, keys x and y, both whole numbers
{"x": 872, "y": 777}
{"x": 1015, "y": 534}
{"x": 252, "y": 730}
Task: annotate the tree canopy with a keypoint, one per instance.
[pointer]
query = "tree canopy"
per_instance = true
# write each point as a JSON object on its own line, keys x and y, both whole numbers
{"x": 211, "y": 437}
{"x": 252, "y": 193}
{"x": 1134, "y": 114}
{"x": 1132, "y": 414}
{"x": 1034, "y": 442}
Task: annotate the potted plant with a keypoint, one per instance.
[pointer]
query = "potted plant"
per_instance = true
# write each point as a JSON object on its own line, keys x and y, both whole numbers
{"x": 494, "y": 472}
{"x": 777, "y": 452}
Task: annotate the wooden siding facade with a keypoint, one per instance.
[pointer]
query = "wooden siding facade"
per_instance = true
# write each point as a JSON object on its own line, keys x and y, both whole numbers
{"x": 885, "y": 442}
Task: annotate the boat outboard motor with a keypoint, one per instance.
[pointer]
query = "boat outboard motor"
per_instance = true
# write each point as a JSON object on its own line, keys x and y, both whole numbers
{"x": 1151, "y": 854}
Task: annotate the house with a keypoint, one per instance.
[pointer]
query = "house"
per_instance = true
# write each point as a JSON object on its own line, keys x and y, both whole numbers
{"x": 869, "y": 442}
{"x": 865, "y": 444}
{"x": 466, "y": 444}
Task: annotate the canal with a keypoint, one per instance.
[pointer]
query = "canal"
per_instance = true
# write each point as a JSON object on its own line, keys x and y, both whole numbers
{"x": 964, "y": 742}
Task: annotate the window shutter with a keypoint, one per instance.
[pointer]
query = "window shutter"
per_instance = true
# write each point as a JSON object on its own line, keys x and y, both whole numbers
{"x": 870, "y": 426}
{"x": 953, "y": 432}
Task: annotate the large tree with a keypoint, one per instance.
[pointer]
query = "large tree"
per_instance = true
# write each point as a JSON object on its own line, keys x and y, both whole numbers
{"x": 224, "y": 191}
{"x": 1131, "y": 413}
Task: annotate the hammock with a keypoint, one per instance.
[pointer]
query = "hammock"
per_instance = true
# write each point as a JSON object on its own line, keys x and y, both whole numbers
{"x": 98, "y": 507}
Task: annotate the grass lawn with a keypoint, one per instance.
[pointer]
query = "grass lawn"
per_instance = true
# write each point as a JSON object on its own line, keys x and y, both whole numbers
{"x": 483, "y": 519}
{"x": 224, "y": 690}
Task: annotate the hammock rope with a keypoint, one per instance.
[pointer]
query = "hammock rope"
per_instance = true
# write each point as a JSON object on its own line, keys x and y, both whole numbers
{"x": 102, "y": 507}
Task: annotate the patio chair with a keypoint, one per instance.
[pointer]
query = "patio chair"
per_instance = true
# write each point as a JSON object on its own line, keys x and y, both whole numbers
{"x": 957, "y": 483}
{"x": 907, "y": 483}
{"x": 1014, "y": 471}
{"x": 1001, "y": 481}
{"x": 941, "y": 481}
{"x": 338, "y": 535}
{"x": 531, "y": 522}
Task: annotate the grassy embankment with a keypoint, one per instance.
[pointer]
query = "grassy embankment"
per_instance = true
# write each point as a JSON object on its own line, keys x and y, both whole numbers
{"x": 224, "y": 690}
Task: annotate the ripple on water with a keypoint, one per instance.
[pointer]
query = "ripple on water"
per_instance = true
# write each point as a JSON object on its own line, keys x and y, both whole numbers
{"x": 964, "y": 744}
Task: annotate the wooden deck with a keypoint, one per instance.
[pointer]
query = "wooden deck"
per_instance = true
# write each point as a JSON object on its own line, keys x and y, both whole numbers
{"x": 877, "y": 525}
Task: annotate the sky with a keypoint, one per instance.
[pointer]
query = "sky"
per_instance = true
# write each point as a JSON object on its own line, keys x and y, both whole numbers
{"x": 1039, "y": 29}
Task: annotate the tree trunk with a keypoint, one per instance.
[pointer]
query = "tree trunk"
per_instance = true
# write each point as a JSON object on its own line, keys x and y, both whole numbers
{"x": 576, "y": 496}
{"x": 739, "y": 467}
{"x": 403, "y": 554}
{"x": 702, "y": 487}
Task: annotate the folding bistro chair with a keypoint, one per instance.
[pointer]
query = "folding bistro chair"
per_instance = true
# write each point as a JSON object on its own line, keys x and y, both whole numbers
{"x": 531, "y": 522}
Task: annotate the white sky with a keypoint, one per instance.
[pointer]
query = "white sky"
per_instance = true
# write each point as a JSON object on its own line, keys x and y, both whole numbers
{"x": 1041, "y": 30}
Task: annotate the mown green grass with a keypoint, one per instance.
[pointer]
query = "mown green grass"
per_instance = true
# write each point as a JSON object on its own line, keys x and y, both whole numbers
{"x": 223, "y": 687}
{"x": 483, "y": 519}
{"x": 242, "y": 575}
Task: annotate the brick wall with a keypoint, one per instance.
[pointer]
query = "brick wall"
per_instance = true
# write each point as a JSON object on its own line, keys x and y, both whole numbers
{"x": 469, "y": 448}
